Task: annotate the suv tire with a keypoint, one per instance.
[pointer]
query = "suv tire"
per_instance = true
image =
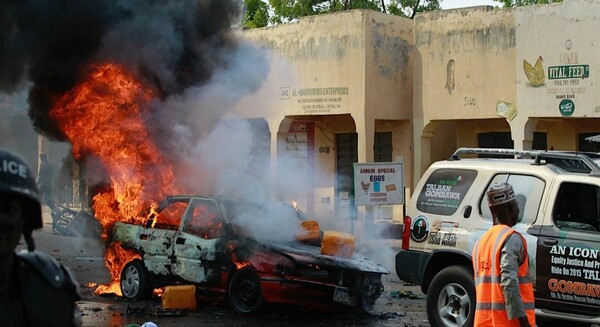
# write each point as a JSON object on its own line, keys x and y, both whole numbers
{"x": 451, "y": 298}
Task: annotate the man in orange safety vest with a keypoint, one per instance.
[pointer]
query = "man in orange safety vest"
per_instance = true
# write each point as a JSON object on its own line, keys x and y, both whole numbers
{"x": 503, "y": 285}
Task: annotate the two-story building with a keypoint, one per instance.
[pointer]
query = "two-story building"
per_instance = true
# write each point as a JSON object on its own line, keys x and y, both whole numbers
{"x": 362, "y": 86}
{"x": 523, "y": 78}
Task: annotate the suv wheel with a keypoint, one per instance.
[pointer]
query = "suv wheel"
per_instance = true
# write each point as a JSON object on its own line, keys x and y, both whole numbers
{"x": 451, "y": 298}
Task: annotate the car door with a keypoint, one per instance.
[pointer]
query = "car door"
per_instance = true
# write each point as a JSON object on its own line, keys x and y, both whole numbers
{"x": 195, "y": 245}
{"x": 568, "y": 249}
{"x": 157, "y": 239}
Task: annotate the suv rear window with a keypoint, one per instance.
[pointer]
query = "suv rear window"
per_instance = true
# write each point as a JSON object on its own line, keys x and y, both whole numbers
{"x": 528, "y": 193}
{"x": 444, "y": 190}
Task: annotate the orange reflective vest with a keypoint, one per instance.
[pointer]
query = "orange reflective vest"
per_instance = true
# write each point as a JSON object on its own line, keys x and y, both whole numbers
{"x": 490, "y": 309}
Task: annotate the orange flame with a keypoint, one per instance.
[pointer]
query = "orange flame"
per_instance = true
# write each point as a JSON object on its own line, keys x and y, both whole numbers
{"x": 104, "y": 116}
{"x": 91, "y": 285}
{"x": 116, "y": 256}
{"x": 239, "y": 264}
{"x": 158, "y": 291}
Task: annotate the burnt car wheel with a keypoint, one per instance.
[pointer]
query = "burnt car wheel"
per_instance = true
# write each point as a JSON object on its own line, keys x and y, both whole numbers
{"x": 451, "y": 298}
{"x": 245, "y": 294}
{"x": 134, "y": 281}
{"x": 370, "y": 290}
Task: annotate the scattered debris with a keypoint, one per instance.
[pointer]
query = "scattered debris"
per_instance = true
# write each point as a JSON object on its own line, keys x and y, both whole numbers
{"x": 68, "y": 222}
{"x": 136, "y": 308}
{"x": 403, "y": 295}
{"x": 167, "y": 312}
{"x": 390, "y": 315}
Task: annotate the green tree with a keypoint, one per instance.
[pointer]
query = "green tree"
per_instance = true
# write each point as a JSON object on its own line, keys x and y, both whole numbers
{"x": 520, "y": 3}
{"x": 290, "y": 10}
{"x": 409, "y": 8}
{"x": 283, "y": 11}
{"x": 256, "y": 14}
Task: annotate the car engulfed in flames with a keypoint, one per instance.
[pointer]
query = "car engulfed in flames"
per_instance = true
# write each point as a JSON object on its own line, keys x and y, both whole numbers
{"x": 215, "y": 244}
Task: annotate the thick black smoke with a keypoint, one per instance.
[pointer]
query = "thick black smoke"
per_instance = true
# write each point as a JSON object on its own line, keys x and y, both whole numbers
{"x": 46, "y": 45}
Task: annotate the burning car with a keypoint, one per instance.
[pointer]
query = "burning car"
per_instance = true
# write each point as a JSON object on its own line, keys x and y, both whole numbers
{"x": 247, "y": 253}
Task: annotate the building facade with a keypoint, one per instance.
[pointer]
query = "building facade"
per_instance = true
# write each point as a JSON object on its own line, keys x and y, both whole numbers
{"x": 394, "y": 89}
{"x": 523, "y": 78}
{"x": 340, "y": 91}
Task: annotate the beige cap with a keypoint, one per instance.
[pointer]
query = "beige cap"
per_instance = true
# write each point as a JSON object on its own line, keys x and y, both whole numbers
{"x": 500, "y": 193}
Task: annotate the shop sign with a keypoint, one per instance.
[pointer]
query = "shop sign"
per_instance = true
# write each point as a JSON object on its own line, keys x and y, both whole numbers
{"x": 378, "y": 183}
{"x": 572, "y": 71}
{"x": 566, "y": 107}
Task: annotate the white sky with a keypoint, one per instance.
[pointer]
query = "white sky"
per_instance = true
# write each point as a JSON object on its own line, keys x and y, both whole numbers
{"x": 451, "y": 4}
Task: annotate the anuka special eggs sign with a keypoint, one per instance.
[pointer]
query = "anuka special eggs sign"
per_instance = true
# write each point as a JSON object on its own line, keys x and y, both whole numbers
{"x": 378, "y": 183}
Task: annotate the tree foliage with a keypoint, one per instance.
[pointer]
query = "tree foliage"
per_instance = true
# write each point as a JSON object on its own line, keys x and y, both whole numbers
{"x": 409, "y": 8}
{"x": 290, "y": 10}
{"x": 283, "y": 11}
{"x": 259, "y": 13}
{"x": 256, "y": 14}
{"x": 520, "y": 3}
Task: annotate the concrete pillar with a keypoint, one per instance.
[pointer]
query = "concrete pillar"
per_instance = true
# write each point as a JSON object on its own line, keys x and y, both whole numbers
{"x": 366, "y": 137}
{"x": 426, "y": 137}
{"x": 275, "y": 134}
{"x": 522, "y": 129}
{"x": 418, "y": 159}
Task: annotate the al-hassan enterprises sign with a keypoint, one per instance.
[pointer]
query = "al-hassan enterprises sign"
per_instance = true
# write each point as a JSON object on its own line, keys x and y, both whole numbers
{"x": 378, "y": 183}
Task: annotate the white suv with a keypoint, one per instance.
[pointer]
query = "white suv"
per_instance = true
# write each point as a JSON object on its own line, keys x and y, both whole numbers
{"x": 559, "y": 197}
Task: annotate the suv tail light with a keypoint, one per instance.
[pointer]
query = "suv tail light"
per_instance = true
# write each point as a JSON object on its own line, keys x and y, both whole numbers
{"x": 406, "y": 233}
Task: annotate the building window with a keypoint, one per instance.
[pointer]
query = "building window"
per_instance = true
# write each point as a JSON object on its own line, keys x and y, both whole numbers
{"x": 383, "y": 147}
{"x": 588, "y": 146}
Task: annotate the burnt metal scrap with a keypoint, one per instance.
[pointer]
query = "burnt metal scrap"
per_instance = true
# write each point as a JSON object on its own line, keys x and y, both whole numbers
{"x": 69, "y": 222}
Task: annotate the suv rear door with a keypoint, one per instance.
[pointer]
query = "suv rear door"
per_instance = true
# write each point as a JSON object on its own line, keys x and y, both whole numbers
{"x": 529, "y": 194}
{"x": 568, "y": 248}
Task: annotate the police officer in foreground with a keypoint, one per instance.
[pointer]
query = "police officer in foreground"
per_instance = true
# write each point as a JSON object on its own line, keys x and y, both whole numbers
{"x": 503, "y": 285}
{"x": 35, "y": 290}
